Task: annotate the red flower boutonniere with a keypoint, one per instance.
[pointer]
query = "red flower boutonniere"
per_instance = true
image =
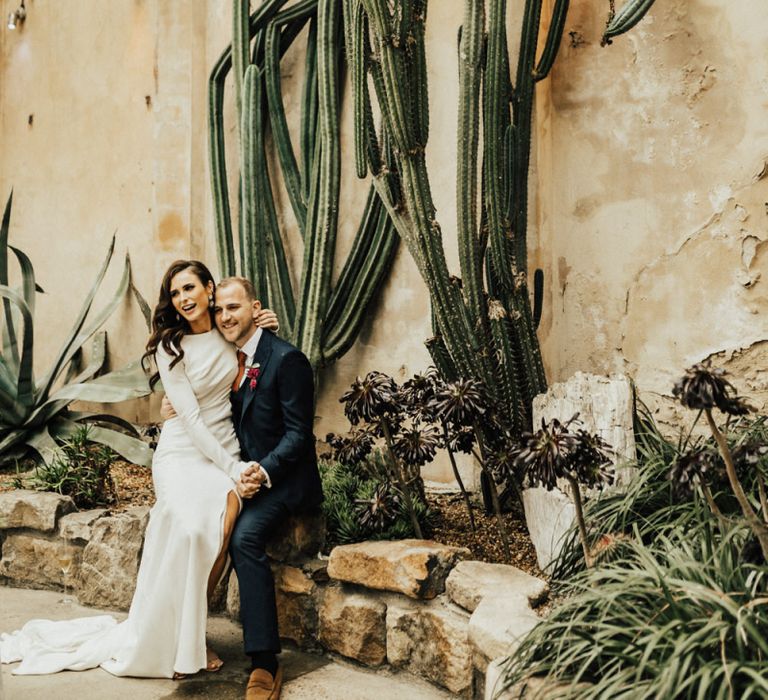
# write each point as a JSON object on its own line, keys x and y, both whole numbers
{"x": 253, "y": 375}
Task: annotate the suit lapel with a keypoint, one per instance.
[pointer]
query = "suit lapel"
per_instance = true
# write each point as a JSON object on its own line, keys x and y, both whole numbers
{"x": 261, "y": 358}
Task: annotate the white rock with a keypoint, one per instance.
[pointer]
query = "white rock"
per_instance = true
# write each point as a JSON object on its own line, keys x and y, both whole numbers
{"x": 498, "y": 625}
{"x": 470, "y": 581}
{"x": 36, "y": 510}
{"x": 78, "y": 526}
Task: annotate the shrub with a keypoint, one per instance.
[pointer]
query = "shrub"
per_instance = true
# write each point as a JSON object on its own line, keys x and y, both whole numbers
{"x": 80, "y": 469}
{"x": 361, "y": 504}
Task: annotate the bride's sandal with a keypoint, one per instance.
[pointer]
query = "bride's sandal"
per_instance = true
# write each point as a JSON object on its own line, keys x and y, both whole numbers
{"x": 213, "y": 662}
{"x": 178, "y": 676}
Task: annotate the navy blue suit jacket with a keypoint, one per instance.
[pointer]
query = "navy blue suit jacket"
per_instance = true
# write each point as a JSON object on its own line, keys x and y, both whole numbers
{"x": 274, "y": 425}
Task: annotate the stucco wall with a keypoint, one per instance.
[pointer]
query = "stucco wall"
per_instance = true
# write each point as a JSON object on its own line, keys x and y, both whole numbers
{"x": 653, "y": 214}
{"x": 648, "y": 218}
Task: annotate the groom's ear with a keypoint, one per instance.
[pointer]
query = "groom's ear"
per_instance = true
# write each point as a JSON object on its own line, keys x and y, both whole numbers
{"x": 255, "y": 308}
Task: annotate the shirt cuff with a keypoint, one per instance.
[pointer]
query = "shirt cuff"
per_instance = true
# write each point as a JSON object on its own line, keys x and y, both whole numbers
{"x": 267, "y": 480}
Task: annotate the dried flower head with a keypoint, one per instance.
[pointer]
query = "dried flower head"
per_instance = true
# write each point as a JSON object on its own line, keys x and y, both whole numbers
{"x": 460, "y": 403}
{"x": 417, "y": 445}
{"x": 542, "y": 456}
{"x": 352, "y": 448}
{"x": 591, "y": 459}
{"x": 691, "y": 469}
{"x": 381, "y": 509}
{"x": 370, "y": 398}
{"x": 705, "y": 387}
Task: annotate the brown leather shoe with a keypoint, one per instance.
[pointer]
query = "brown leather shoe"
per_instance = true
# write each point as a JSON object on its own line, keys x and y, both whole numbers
{"x": 262, "y": 686}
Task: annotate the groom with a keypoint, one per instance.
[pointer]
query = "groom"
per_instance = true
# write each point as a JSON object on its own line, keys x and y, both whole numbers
{"x": 273, "y": 409}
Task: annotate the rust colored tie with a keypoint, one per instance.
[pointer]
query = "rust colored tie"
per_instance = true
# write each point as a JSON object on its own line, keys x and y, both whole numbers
{"x": 240, "y": 370}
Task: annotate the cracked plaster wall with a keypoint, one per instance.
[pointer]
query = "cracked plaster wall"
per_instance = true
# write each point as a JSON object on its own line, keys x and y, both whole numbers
{"x": 654, "y": 195}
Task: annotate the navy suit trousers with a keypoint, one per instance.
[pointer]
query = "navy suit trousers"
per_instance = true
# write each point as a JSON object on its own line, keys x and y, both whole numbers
{"x": 258, "y": 611}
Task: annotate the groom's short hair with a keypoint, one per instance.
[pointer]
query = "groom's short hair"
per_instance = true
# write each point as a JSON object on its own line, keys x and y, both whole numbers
{"x": 244, "y": 282}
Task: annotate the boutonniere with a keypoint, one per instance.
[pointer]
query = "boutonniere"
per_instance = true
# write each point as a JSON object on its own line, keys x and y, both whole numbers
{"x": 252, "y": 374}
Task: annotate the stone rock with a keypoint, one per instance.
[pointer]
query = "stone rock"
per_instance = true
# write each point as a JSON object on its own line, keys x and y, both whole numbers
{"x": 498, "y": 625}
{"x": 233, "y": 597}
{"x": 297, "y": 615}
{"x": 417, "y": 568}
{"x": 36, "y": 510}
{"x": 30, "y": 561}
{"x": 111, "y": 559}
{"x": 296, "y": 599}
{"x": 604, "y": 405}
{"x": 301, "y": 536}
{"x": 78, "y": 526}
{"x": 548, "y": 515}
{"x": 354, "y": 625}
{"x": 317, "y": 570}
{"x": 470, "y": 581}
{"x": 431, "y": 640}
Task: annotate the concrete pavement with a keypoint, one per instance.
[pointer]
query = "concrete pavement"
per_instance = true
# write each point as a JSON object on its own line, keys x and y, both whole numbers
{"x": 308, "y": 676}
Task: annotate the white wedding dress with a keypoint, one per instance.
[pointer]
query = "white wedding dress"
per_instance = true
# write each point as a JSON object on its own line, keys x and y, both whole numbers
{"x": 194, "y": 468}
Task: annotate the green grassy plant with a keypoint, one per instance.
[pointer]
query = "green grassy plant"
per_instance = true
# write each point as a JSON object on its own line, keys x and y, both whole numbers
{"x": 80, "y": 469}
{"x": 349, "y": 493}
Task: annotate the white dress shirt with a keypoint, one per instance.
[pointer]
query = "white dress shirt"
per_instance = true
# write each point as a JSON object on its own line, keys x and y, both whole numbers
{"x": 249, "y": 348}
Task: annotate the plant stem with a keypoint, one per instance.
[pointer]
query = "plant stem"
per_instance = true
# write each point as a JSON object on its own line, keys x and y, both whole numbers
{"x": 402, "y": 481}
{"x": 711, "y": 502}
{"x": 759, "y": 528}
{"x": 574, "y": 484}
{"x": 457, "y": 476}
{"x": 763, "y": 499}
{"x": 494, "y": 497}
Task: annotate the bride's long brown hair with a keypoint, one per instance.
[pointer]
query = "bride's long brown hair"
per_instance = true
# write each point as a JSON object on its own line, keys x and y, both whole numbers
{"x": 168, "y": 327}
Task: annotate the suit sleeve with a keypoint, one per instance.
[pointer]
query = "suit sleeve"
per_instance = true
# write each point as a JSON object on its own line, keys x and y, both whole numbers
{"x": 182, "y": 397}
{"x": 296, "y": 392}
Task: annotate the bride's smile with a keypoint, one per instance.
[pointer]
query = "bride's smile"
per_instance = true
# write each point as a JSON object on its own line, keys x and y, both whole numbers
{"x": 191, "y": 299}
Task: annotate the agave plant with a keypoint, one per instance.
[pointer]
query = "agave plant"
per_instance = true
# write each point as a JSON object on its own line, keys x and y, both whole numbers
{"x": 35, "y": 413}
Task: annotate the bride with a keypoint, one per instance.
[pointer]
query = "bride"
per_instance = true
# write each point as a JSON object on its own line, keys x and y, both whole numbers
{"x": 197, "y": 472}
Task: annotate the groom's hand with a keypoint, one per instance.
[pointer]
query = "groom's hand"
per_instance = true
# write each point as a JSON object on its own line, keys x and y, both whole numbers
{"x": 166, "y": 409}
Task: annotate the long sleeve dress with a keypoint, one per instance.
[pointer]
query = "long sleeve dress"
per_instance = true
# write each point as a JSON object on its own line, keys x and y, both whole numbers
{"x": 194, "y": 468}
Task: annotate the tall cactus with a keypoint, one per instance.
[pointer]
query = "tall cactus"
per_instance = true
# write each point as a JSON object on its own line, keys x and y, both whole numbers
{"x": 322, "y": 319}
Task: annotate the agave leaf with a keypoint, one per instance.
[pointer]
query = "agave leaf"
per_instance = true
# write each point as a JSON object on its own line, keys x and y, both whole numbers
{"x": 12, "y": 438}
{"x": 96, "y": 362}
{"x": 24, "y": 379}
{"x": 129, "y": 447}
{"x": 9, "y": 330}
{"x": 92, "y": 417}
{"x": 129, "y": 382}
{"x": 142, "y": 302}
{"x": 67, "y": 351}
{"x": 29, "y": 287}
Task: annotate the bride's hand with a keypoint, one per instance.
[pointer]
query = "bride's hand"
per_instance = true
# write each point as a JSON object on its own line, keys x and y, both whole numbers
{"x": 266, "y": 318}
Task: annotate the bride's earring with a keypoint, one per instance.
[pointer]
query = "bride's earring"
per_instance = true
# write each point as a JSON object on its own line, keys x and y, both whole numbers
{"x": 210, "y": 300}
{"x": 178, "y": 318}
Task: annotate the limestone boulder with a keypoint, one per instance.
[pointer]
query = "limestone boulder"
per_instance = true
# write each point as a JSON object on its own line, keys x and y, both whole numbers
{"x": 297, "y": 614}
{"x": 31, "y": 561}
{"x": 431, "y": 640}
{"x": 78, "y": 526}
{"x": 296, "y": 596}
{"x": 416, "y": 568}
{"x": 301, "y": 536}
{"x": 111, "y": 559}
{"x": 470, "y": 581}
{"x": 548, "y": 515}
{"x": 233, "y": 597}
{"x": 35, "y": 510}
{"x": 498, "y": 625}
{"x": 354, "y": 625}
